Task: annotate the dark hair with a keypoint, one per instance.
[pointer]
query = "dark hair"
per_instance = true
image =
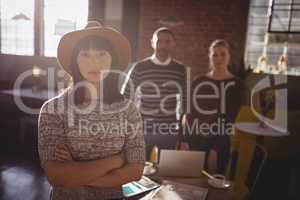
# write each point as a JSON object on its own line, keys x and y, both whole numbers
{"x": 111, "y": 94}
{"x": 163, "y": 30}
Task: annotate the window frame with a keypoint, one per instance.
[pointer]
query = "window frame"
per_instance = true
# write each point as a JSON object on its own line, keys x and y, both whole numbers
{"x": 39, "y": 30}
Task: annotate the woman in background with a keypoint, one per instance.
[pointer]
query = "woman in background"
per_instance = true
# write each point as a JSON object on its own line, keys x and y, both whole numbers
{"x": 215, "y": 102}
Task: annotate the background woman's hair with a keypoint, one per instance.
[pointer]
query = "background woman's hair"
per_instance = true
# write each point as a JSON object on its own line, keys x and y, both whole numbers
{"x": 219, "y": 43}
{"x": 111, "y": 92}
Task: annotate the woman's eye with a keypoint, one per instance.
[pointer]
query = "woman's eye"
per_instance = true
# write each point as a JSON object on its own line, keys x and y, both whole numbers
{"x": 101, "y": 53}
{"x": 84, "y": 54}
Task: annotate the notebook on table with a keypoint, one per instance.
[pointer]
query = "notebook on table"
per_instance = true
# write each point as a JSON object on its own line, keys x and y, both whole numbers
{"x": 138, "y": 187}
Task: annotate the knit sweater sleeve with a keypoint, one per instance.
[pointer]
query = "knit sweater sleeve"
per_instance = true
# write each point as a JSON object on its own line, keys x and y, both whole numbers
{"x": 134, "y": 147}
{"x": 50, "y": 131}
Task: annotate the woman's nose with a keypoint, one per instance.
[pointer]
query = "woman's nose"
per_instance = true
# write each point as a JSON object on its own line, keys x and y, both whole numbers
{"x": 94, "y": 60}
{"x": 94, "y": 63}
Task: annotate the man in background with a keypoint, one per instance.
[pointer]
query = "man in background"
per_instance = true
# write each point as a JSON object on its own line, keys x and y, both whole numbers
{"x": 158, "y": 85}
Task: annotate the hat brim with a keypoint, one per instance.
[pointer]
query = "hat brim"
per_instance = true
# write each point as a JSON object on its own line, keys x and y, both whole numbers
{"x": 120, "y": 44}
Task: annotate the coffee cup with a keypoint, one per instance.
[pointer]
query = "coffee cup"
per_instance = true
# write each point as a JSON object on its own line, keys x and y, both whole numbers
{"x": 218, "y": 180}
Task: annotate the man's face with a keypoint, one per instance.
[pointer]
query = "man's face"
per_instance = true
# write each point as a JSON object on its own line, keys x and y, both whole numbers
{"x": 163, "y": 43}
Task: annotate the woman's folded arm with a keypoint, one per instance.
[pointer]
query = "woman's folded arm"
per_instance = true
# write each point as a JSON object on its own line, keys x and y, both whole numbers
{"x": 118, "y": 177}
{"x": 79, "y": 173}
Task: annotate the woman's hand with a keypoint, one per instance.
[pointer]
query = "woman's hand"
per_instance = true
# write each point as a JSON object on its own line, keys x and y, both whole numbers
{"x": 119, "y": 160}
{"x": 65, "y": 171}
{"x": 63, "y": 154}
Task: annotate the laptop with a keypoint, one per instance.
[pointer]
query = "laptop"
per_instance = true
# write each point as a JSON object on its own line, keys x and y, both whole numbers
{"x": 181, "y": 163}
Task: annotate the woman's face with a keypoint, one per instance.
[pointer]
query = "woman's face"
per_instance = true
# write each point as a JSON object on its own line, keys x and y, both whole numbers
{"x": 94, "y": 64}
{"x": 219, "y": 57}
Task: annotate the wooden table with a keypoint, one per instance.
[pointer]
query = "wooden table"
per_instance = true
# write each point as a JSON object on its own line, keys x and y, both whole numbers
{"x": 27, "y": 96}
{"x": 255, "y": 129}
{"x": 41, "y": 94}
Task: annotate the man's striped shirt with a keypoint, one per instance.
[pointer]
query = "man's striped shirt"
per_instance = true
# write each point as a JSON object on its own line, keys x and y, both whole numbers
{"x": 158, "y": 90}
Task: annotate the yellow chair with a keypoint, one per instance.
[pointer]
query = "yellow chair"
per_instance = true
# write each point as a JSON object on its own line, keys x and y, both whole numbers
{"x": 244, "y": 144}
{"x": 247, "y": 176}
{"x": 154, "y": 155}
{"x": 258, "y": 160}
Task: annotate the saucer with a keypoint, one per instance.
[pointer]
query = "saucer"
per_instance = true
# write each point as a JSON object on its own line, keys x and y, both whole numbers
{"x": 212, "y": 183}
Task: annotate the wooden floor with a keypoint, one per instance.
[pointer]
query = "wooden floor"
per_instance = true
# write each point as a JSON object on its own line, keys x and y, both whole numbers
{"x": 21, "y": 179}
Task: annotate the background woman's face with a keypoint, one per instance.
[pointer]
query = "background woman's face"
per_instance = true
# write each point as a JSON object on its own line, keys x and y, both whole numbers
{"x": 94, "y": 64}
{"x": 219, "y": 57}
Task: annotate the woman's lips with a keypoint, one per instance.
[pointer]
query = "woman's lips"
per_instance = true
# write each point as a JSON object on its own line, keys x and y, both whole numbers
{"x": 94, "y": 73}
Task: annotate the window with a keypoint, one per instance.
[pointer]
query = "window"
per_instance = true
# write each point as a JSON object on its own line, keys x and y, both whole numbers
{"x": 57, "y": 17}
{"x": 257, "y": 29}
{"x": 114, "y": 13}
{"x": 60, "y": 18}
{"x": 17, "y": 22}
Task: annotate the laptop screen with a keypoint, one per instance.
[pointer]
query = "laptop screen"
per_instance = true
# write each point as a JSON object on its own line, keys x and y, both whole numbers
{"x": 181, "y": 163}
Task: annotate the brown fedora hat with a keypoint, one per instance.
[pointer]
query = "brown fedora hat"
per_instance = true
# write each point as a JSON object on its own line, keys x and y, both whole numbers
{"x": 93, "y": 24}
{"x": 67, "y": 43}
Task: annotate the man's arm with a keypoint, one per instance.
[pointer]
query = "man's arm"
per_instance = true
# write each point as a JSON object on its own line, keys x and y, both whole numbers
{"x": 79, "y": 173}
{"x": 182, "y": 134}
{"x": 185, "y": 108}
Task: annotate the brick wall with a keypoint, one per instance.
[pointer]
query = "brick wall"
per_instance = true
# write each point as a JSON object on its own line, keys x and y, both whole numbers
{"x": 203, "y": 21}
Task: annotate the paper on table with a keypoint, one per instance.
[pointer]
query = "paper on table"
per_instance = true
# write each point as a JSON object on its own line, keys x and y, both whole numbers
{"x": 137, "y": 187}
{"x": 177, "y": 191}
